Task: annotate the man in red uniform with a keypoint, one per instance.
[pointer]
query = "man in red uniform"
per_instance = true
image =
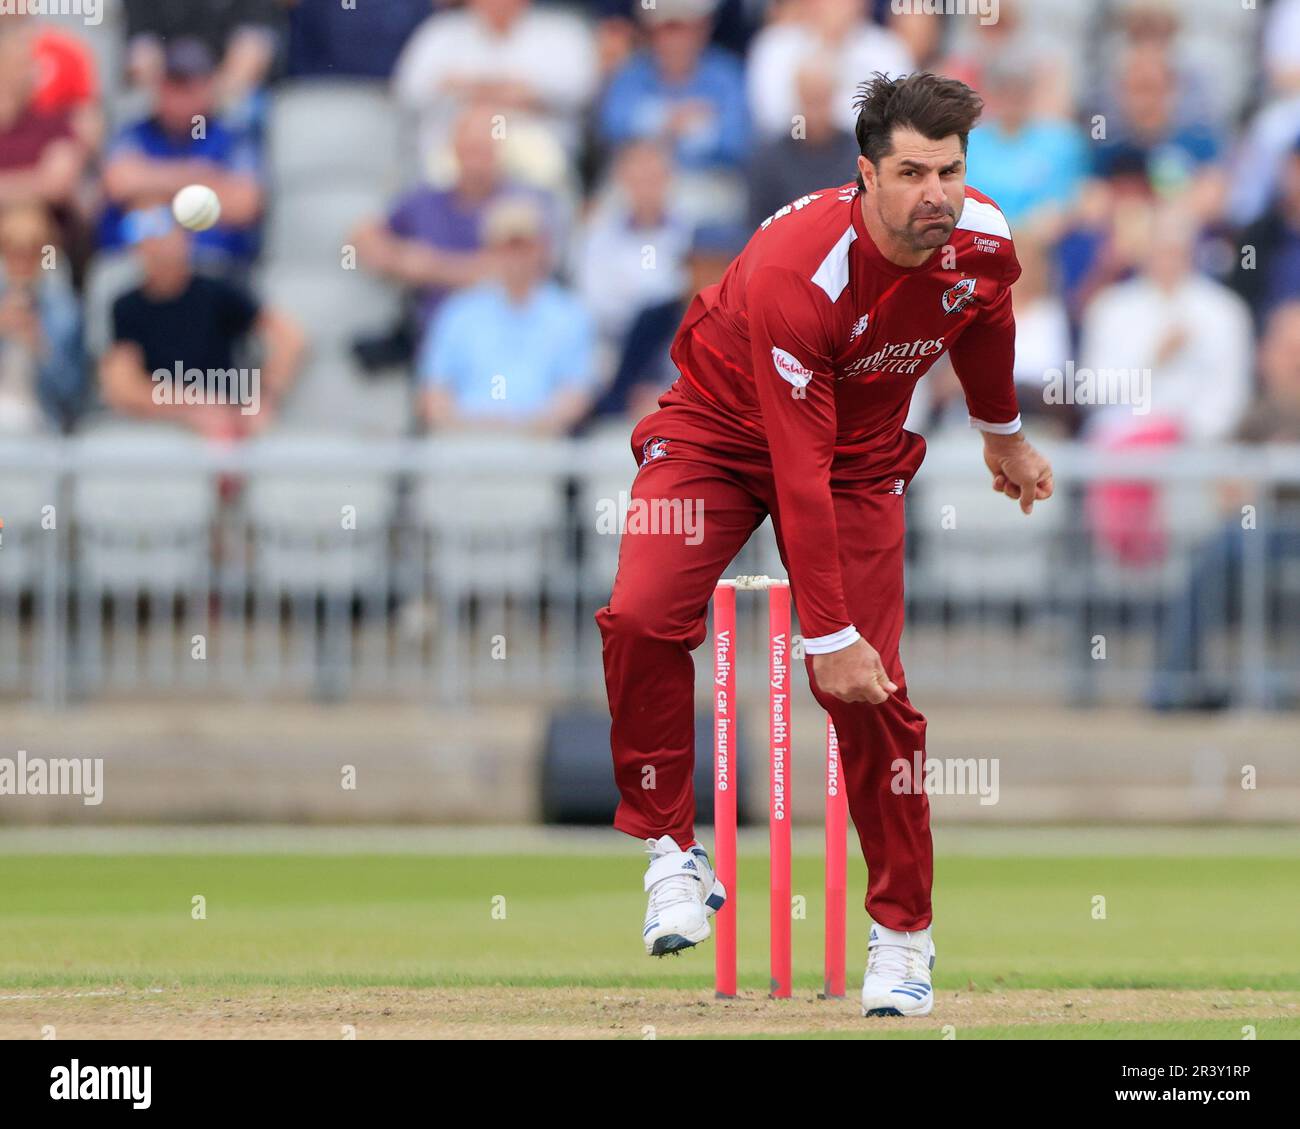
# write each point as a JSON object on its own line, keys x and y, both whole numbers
{"x": 796, "y": 374}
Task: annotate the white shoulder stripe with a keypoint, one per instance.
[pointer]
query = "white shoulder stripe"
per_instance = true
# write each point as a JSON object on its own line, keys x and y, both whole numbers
{"x": 986, "y": 218}
{"x": 833, "y": 274}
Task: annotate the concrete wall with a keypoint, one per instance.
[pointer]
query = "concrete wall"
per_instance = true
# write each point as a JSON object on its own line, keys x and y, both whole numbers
{"x": 192, "y": 762}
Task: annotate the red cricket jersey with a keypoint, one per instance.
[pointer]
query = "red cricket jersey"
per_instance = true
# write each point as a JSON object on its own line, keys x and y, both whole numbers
{"x": 812, "y": 343}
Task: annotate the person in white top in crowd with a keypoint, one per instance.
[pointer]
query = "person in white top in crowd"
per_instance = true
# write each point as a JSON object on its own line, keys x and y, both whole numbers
{"x": 836, "y": 29}
{"x": 537, "y": 63}
{"x": 1192, "y": 333}
{"x": 633, "y": 247}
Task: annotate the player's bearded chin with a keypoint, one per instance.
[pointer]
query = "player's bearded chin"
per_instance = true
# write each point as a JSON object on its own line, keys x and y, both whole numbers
{"x": 922, "y": 231}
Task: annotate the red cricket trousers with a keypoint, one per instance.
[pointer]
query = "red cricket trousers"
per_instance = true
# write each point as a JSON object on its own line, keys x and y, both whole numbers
{"x": 658, "y": 614}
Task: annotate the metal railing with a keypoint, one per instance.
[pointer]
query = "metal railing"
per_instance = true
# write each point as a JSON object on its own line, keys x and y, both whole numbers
{"x": 470, "y": 570}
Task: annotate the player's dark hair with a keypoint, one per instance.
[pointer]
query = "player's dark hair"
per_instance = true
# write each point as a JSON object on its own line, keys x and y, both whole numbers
{"x": 935, "y": 107}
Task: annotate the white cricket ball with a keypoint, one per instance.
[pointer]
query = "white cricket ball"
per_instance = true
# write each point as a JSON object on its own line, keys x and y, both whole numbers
{"x": 196, "y": 207}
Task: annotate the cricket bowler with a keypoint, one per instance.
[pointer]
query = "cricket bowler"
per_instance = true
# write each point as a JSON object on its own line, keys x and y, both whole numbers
{"x": 795, "y": 375}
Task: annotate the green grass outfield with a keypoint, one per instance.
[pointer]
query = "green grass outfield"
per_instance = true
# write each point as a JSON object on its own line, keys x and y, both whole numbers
{"x": 1201, "y": 910}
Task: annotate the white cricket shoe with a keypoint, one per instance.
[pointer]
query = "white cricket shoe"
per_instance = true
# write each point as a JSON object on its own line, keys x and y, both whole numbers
{"x": 898, "y": 973}
{"x": 684, "y": 894}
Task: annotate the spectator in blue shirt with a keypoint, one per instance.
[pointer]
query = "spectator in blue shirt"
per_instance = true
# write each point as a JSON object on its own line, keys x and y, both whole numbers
{"x": 1032, "y": 166}
{"x": 681, "y": 91}
{"x": 515, "y": 353}
{"x": 150, "y": 161}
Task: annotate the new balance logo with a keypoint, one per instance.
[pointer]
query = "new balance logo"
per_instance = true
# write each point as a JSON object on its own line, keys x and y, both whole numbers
{"x": 859, "y": 327}
{"x": 897, "y": 488}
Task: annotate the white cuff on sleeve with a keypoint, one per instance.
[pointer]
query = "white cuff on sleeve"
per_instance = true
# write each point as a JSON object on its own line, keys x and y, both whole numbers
{"x": 825, "y": 644}
{"x": 997, "y": 428}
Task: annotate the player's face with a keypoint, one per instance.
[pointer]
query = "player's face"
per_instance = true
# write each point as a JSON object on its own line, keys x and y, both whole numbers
{"x": 919, "y": 189}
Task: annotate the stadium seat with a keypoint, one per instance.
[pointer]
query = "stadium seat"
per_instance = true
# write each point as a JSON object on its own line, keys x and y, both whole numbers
{"x": 110, "y": 275}
{"x": 496, "y": 514}
{"x": 991, "y": 552}
{"x": 28, "y": 488}
{"x": 299, "y": 516}
{"x": 341, "y": 134}
{"x": 332, "y": 393}
{"x": 142, "y": 509}
{"x": 309, "y": 227}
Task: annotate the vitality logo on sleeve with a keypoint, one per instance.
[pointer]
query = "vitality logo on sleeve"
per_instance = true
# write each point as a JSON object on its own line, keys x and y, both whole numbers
{"x": 790, "y": 369}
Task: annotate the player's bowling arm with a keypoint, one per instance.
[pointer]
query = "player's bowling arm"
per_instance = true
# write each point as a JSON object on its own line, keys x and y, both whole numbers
{"x": 792, "y": 371}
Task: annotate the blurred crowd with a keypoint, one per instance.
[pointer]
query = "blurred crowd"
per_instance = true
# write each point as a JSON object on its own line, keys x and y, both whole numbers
{"x": 579, "y": 170}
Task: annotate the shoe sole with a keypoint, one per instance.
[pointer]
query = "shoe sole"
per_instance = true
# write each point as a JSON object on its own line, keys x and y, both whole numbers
{"x": 670, "y": 944}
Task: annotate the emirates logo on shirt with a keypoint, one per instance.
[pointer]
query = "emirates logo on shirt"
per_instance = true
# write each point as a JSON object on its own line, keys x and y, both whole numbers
{"x": 956, "y": 298}
{"x": 789, "y": 369}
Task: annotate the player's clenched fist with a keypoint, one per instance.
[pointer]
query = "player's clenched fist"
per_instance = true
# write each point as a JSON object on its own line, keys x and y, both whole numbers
{"x": 1018, "y": 470}
{"x": 854, "y": 674}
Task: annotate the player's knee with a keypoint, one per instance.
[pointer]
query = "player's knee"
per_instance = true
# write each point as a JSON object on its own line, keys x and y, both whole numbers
{"x": 647, "y": 620}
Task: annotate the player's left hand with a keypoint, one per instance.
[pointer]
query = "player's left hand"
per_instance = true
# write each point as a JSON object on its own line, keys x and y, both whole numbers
{"x": 1018, "y": 470}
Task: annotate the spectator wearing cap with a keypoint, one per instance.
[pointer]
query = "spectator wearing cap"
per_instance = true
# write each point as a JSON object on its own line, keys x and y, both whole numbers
{"x": 533, "y": 65}
{"x": 845, "y": 44}
{"x": 177, "y": 318}
{"x": 431, "y": 243}
{"x": 153, "y": 159}
{"x": 1033, "y": 166}
{"x": 42, "y": 364}
{"x": 514, "y": 353}
{"x": 823, "y": 154}
{"x": 240, "y": 36}
{"x": 633, "y": 248}
{"x": 689, "y": 96}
